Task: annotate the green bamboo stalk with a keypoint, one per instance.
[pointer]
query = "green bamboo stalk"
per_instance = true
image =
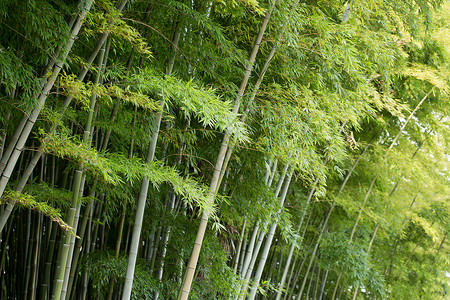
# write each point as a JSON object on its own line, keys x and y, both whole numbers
{"x": 292, "y": 248}
{"x": 35, "y": 265}
{"x": 163, "y": 255}
{"x": 354, "y": 229}
{"x": 144, "y": 188}
{"x": 316, "y": 246}
{"x": 311, "y": 280}
{"x": 322, "y": 286}
{"x": 249, "y": 250}
{"x": 155, "y": 248}
{"x": 238, "y": 250}
{"x": 247, "y": 109}
{"x": 273, "y": 270}
{"x": 72, "y": 245}
{"x": 127, "y": 239}
{"x": 248, "y": 273}
{"x": 66, "y": 239}
{"x": 77, "y": 249}
{"x": 81, "y": 233}
{"x": 268, "y": 242}
{"x": 120, "y": 233}
{"x": 192, "y": 264}
{"x": 117, "y": 250}
{"x": 166, "y": 234}
{"x": 300, "y": 268}
{"x": 291, "y": 274}
{"x": 78, "y": 182}
{"x": 12, "y": 143}
{"x": 242, "y": 256}
{"x": 316, "y": 283}
{"x": 70, "y": 270}
{"x": 122, "y": 216}
{"x": 44, "y": 290}
{"x": 139, "y": 219}
{"x": 88, "y": 248}
{"x": 28, "y": 249}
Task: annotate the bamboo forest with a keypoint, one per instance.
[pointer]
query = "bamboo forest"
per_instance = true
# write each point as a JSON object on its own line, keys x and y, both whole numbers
{"x": 225, "y": 149}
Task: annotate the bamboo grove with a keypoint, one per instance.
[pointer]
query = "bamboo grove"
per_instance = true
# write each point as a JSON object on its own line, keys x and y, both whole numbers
{"x": 192, "y": 149}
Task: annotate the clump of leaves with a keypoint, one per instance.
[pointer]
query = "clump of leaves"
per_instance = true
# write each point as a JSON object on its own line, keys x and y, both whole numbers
{"x": 30, "y": 202}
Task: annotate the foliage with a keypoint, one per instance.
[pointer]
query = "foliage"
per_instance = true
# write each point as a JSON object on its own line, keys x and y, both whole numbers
{"x": 29, "y": 201}
{"x": 115, "y": 168}
{"x": 331, "y": 106}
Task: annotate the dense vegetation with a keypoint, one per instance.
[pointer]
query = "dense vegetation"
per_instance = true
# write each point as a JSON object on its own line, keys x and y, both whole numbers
{"x": 225, "y": 149}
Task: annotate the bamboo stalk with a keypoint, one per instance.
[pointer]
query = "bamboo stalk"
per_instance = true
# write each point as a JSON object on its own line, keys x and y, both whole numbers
{"x": 251, "y": 245}
{"x": 77, "y": 184}
{"x": 269, "y": 239}
{"x": 35, "y": 264}
{"x": 48, "y": 265}
{"x": 192, "y": 264}
{"x": 238, "y": 250}
{"x": 144, "y": 189}
{"x": 322, "y": 286}
{"x": 248, "y": 273}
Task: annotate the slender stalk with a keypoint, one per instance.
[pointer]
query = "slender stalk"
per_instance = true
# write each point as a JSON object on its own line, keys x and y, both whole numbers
{"x": 71, "y": 249}
{"x": 35, "y": 265}
{"x": 301, "y": 266}
{"x": 144, "y": 188}
{"x": 117, "y": 250}
{"x": 322, "y": 286}
{"x": 90, "y": 236}
{"x": 77, "y": 250}
{"x": 311, "y": 280}
{"x": 291, "y": 274}
{"x": 48, "y": 264}
{"x": 77, "y": 184}
{"x": 247, "y": 109}
{"x": 269, "y": 239}
{"x": 291, "y": 250}
{"x": 248, "y": 273}
{"x": 28, "y": 249}
{"x": 238, "y": 250}
{"x": 192, "y": 264}
{"x": 354, "y": 229}
{"x": 250, "y": 246}
{"x": 164, "y": 248}
{"x": 242, "y": 256}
